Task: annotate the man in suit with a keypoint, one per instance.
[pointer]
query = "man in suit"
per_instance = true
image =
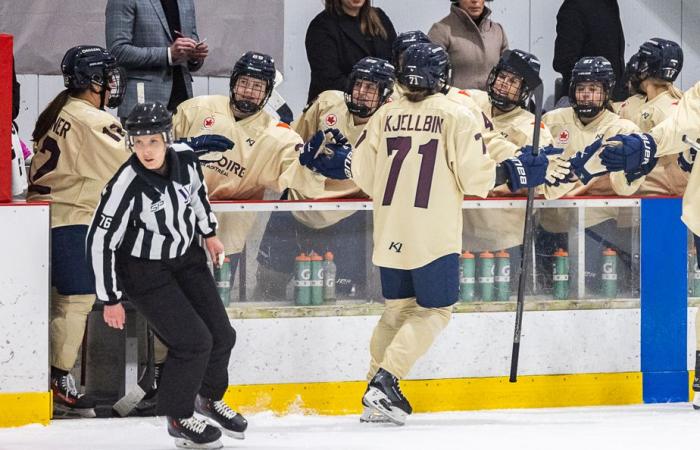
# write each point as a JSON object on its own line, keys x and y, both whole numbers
{"x": 156, "y": 41}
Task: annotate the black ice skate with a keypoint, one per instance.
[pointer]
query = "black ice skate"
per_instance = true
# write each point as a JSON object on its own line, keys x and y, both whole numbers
{"x": 68, "y": 401}
{"x": 384, "y": 396}
{"x": 370, "y": 415}
{"x": 219, "y": 414}
{"x": 696, "y": 382}
{"x": 193, "y": 433}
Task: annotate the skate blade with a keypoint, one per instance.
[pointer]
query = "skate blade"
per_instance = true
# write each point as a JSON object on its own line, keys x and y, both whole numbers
{"x": 127, "y": 403}
{"x": 66, "y": 412}
{"x": 240, "y": 435}
{"x": 371, "y": 416}
{"x": 186, "y": 443}
{"x": 375, "y": 399}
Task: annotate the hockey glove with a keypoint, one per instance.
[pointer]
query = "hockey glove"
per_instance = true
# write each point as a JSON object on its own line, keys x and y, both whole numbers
{"x": 629, "y": 153}
{"x": 586, "y": 164}
{"x": 558, "y": 171}
{"x": 527, "y": 170}
{"x": 207, "y": 143}
{"x": 687, "y": 159}
{"x": 334, "y": 162}
{"x": 311, "y": 149}
{"x": 338, "y": 137}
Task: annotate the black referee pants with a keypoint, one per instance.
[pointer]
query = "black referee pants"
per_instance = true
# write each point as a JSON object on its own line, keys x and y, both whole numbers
{"x": 179, "y": 299}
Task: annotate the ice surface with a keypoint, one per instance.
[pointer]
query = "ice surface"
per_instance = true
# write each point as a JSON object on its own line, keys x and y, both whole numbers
{"x": 623, "y": 427}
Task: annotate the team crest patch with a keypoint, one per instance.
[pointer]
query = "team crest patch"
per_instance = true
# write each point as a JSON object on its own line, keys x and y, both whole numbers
{"x": 208, "y": 122}
{"x": 564, "y": 137}
{"x": 331, "y": 120}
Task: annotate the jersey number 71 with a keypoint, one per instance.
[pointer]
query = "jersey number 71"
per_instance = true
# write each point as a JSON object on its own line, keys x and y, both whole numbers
{"x": 428, "y": 151}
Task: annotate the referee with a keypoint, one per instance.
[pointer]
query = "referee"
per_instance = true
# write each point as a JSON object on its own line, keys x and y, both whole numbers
{"x": 141, "y": 244}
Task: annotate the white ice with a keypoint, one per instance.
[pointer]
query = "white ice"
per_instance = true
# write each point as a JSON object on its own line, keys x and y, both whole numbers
{"x": 623, "y": 427}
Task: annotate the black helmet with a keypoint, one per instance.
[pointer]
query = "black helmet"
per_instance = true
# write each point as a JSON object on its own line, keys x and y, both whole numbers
{"x": 657, "y": 58}
{"x": 405, "y": 40}
{"x": 629, "y": 77}
{"x": 377, "y": 71}
{"x": 425, "y": 66}
{"x": 591, "y": 69}
{"x": 149, "y": 118}
{"x": 507, "y": 63}
{"x": 85, "y": 65}
{"x": 256, "y": 65}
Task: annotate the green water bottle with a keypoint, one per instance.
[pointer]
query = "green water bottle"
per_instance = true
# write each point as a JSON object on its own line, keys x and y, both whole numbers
{"x": 560, "y": 275}
{"x": 486, "y": 271}
{"x": 302, "y": 280}
{"x": 502, "y": 279}
{"x": 316, "y": 278}
{"x": 329, "y": 274}
{"x": 222, "y": 276}
{"x": 467, "y": 279}
{"x": 609, "y": 273}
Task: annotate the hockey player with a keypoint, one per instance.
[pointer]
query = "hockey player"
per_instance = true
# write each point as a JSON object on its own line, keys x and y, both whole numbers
{"x": 417, "y": 158}
{"x": 655, "y": 67}
{"x": 78, "y": 147}
{"x": 265, "y": 152}
{"x": 507, "y": 118}
{"x": 370, "y": 85}
{"x": 142, "y": 244}
{"x": 579, "y": 130}
{"x": 636, "y": 97}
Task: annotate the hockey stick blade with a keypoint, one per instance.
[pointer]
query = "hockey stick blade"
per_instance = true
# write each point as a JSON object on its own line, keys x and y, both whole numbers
{"x": 126, "y": 404}
{"x": 527, "y": 241}
{"x": 694, "y": 145}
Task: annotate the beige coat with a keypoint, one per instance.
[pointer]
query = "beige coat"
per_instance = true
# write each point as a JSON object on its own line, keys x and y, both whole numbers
{"x": 473, "y": 49}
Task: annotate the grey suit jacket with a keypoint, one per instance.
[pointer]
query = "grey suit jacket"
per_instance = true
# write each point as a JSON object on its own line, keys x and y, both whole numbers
{"x": 138, "y": 36}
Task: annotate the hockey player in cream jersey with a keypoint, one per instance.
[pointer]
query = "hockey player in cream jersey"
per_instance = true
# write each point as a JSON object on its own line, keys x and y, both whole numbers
{"x": 370, "y": 85}
{"x": 78, "y": 147}
{"x": 417, "y": 158}
{"x": 654, "y": 69}
{"x": 265, "y": 152}
{"x": 506, "y": 117}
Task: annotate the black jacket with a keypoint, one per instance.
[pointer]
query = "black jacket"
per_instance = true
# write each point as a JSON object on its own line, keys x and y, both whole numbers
{"x": 334, "y": 44}
{"x": 590, "y": 28}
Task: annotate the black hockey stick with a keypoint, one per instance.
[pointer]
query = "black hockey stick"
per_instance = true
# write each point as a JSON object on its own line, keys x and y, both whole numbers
{"x": 126, "y": 404}
{"x": 531, "y": 78}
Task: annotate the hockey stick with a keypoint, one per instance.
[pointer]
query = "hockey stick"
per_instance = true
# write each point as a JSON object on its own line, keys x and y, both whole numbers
{"x": 694, "y": 145}
{"x": 126, "y": 404}
{"x": 276, "y": 105}
{"x": 531, "y": 78}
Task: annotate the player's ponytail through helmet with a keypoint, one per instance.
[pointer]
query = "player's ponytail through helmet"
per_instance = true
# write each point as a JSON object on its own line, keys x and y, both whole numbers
{"x": 658, "y": 62}
{"x": 370, "y": 22}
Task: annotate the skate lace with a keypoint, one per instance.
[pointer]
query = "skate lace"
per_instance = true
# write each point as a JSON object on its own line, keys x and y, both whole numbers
{"x": 223, "y": 409}
{"x": 397, "y": 387}
{"x": 68, "y": 384}
{"x": 193, "y": 424}
{"x": 156, "y": 376}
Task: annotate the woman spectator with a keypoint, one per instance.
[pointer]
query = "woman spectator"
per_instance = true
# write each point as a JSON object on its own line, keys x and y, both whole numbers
{"x": 341, "y": 35}
{"x": 473, "y": 41}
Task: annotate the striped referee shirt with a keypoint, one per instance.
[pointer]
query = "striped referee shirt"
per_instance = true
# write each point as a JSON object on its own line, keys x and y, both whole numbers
{"x": 148, "y": 216}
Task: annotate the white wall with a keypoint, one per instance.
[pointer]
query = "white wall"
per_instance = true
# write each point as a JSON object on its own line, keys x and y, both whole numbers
{"x": 24, "y": 298}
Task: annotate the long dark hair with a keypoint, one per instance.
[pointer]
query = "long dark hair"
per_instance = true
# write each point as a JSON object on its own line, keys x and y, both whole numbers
{"x": 370, "y": 23}
{"x": 50, "y": 113}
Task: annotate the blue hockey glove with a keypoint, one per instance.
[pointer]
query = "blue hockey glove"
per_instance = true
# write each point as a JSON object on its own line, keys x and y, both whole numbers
{"x": 311, "y": 149}
{"x": 338, "y": 137}
{"x": 526, "y": 170}
{"x": 687, "y": 159}
{"x": 586, "y": 164}
{"x": 334, "y": 162}
{"x": 207, "y": 143}
{"x": 629, "y": 153}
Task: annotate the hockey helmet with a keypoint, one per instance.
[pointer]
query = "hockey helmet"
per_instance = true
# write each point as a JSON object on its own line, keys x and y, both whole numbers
{"x": 405, "y": 40}
{"x": 591, "y": 69}
{"x": 425, "y": 66}
{"x": 255, "y": 65}
{"x": 516, "y": 95}
{"x": 657, "y": 58}
{"x": 147, "y": 119}
{"x": 373, "y": 70}
{"x": 87, "y": 65}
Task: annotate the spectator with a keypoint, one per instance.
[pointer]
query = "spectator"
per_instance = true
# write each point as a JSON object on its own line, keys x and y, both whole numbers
{"x": 341, "y": 35}
{"x": 590, "y": 28}
{"x": 157, "y": 43}
{"x": 473, "y": 41}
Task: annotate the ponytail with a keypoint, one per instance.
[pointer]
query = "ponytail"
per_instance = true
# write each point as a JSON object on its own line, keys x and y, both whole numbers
{"x": 50, "y": 113}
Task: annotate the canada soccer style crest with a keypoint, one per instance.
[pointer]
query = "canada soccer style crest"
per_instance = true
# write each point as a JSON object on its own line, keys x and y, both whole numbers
{"x": 331, "y": 120}
{"x": 564, "y": 137}
{"x": 208, "y": 122}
